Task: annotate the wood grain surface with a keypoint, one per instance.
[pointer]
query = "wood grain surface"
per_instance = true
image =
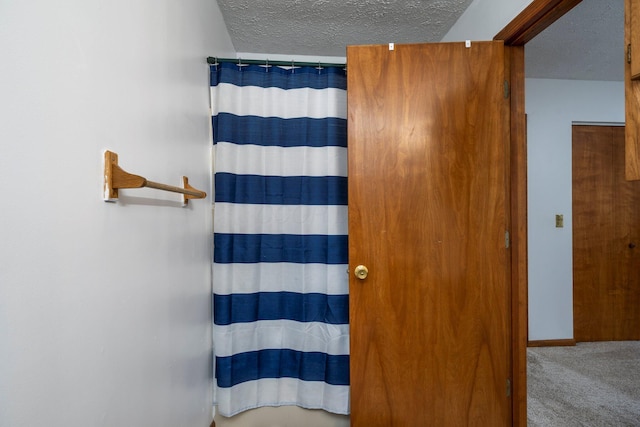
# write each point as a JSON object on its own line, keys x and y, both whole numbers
{"x": 428, "y": 194}
{"x": 632, "y": 101}
{"x": 606, "y": 228}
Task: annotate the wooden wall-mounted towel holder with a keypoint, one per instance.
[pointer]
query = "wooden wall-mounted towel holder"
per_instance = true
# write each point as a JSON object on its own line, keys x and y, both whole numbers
{"x": 115, "y": 178}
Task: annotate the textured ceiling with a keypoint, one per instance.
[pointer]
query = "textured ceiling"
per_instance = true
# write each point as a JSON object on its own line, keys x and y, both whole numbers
{"x": 586, "y": 44}
{"x": 326, "y": 27}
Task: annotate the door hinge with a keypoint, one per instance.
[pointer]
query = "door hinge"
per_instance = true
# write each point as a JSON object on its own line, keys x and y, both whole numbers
{"x": 629, "y": 54}
{"x": 508, "y": 387}
{"x": 507, "y": 239}
{"x": 506, "y": 89}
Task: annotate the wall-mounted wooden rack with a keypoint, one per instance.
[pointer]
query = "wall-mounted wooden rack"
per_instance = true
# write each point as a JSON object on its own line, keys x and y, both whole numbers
{"x": 116, "y": 178}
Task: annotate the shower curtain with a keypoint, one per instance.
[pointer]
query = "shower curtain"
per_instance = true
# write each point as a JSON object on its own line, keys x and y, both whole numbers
{"x": 280, "y": 281}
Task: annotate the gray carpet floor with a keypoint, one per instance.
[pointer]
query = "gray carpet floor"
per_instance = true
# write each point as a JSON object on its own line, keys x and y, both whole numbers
{"x": 591, "y": 384}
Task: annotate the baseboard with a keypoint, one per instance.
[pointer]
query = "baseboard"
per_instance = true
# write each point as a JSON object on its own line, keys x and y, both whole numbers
{"x": 552, "y": 343}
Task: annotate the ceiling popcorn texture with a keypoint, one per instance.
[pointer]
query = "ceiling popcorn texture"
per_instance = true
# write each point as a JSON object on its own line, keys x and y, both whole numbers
{"x": 326, "y": 27}
{"x": 585, "y": 44}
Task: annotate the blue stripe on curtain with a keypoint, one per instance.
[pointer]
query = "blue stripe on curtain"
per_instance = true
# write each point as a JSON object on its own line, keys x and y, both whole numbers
{"x": 242, "y": 308}
{"x": 258, "y": 75}
{"x": 296, "y": 248}
{"x": 274, "y": 131}
{"x": 280, "y": 291}
{"x": 281, "y": 190}
{"x": 278, "y": 363}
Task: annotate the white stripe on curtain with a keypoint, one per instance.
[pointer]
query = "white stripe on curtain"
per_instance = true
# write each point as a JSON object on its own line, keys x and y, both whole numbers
{"x": 307, "y": 337}
{"x": 280, "y": 283}
{"x": 276, "y": 102}
{"x": 288, "y": 219}
{"x": 279, "y": 277}
{"x": 288, "y": 161}
{"x": 278, "y": 392}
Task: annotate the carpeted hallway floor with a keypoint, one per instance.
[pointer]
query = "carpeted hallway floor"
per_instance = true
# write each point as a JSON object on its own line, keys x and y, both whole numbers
{"x": 591, "y": 384}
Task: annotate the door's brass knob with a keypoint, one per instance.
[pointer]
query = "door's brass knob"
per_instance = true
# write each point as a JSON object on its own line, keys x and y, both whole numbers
{"x": 361, "y": 272}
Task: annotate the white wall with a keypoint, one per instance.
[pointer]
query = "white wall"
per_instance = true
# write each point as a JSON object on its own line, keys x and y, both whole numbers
{"x": 298, "y": 58}
{"x": 105, "y": 308}
{"x": 551, "y": 106}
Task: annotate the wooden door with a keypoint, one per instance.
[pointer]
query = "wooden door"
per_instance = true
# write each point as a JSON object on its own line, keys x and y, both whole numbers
{"x": 606, "y": 229}
{"x": 632, "y": 89}
{"x": 428, "y": 200}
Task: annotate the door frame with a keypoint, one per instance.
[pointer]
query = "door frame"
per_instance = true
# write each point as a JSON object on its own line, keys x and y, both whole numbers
{"x": 536, "y": 17}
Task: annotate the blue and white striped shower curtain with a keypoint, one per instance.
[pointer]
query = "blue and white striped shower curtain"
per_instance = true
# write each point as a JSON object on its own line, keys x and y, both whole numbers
{"x": 280, "y": 283}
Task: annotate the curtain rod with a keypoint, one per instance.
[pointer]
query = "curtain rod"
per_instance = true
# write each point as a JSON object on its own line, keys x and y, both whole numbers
{"x": 213, "y": 60}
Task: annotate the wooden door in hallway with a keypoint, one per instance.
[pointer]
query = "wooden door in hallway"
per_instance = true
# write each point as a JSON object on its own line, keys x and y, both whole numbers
{"x": 428, "y": 213}
{"x": 606, "y": 230}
